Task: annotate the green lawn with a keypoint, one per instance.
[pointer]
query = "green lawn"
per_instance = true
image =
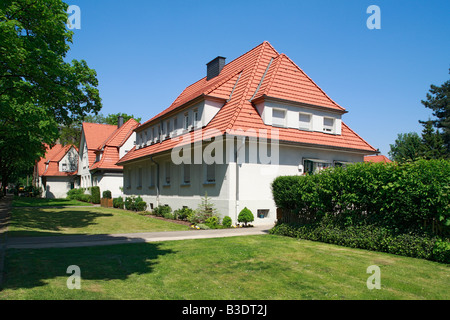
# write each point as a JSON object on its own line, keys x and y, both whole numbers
{"x": 92, "y": 220}
{"x": 250, "y": 267}
{"x": 43, "y": 202}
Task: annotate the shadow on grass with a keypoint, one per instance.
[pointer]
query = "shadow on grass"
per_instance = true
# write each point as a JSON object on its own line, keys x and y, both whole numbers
{"x": 30, "y": 268}
{"x": 42, "y": 222}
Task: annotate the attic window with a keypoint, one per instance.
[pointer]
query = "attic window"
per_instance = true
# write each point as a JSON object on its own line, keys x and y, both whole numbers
{"x": 304, "y": 121}
{"x": 278, "y": 117}
{"x": 186, "y": 121}
{"x": 328, "y": 124}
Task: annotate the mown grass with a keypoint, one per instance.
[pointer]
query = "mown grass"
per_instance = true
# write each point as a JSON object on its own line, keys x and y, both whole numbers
{"x": 41, "y": 221}
{"x": 250, "y": 267}
{"x": 44, "y": 202}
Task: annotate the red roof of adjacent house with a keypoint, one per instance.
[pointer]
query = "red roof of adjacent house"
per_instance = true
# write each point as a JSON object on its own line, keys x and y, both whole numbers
{"x": 378, "y": 158}
{"x": 49, "y": 164}
{"x": 109, "y": 147}
{"x": 261, "y": 73}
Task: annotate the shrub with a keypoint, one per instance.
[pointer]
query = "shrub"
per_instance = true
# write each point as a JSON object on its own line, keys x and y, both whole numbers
{"x": 245, "y": 216}
{"x": 107, "y": 194}
{"x": 371, "y": 237}
{"x": 118, "y": 202}
{"x": 95, "y": 193}
{"x": 395, "y": 196}
{"x": 161, "y": 211}
{"x": 182, "y": 213}
{"x": 75, "y": 194}
{"x": 227, "y": 222}
{"x": 85, "y": 198}
{"x": 129, "y": 203}
{"x": 212, "y": 222}
{"x": 204, "y": 211}
{"x": 140, "y": 206}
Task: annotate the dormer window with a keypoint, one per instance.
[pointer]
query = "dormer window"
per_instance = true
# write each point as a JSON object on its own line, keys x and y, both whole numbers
{"x": 278, "y": 117}
{"x": 328, "y": 124}
{"x": 304, "y": 121}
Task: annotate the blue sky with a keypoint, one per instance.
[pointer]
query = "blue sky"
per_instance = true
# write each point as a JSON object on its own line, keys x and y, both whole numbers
{"x": 146, "y": 52}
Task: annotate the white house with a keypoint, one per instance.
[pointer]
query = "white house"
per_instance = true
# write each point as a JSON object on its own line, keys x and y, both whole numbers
{"x": 55, "y": 173}
{"x": 101, "y": 146}
{"x": 232, "y": 132}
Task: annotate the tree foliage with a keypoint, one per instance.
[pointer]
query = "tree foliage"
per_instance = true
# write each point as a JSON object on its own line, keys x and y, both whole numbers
{"x": 407, "y": 147}
{"x": 38, "y": 89}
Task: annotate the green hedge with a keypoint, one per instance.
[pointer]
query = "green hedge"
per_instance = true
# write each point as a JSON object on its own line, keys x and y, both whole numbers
{"x": 371, "y": 238}
{"x": 95, "y": 192}
{"x": 411, "y": 196}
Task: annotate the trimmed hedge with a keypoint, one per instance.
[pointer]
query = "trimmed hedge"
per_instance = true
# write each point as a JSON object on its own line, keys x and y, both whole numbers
{"x": 371, "y": 238}
{"x": 95, "y": 193}
{"x": 397, "y": 208}
{"x": 411, "y": 196}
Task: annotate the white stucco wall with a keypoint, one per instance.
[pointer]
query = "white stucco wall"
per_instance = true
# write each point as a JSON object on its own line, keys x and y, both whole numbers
{"x": 246, "y": 184}
{"x": 57, "y": 187}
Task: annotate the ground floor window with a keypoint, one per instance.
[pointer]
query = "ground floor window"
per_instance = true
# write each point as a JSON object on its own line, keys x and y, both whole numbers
{"x": 315, "y": 166}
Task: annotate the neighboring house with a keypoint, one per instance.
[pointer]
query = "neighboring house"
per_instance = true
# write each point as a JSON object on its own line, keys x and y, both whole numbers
{"x": 56, "y": 172}
{"x": 101, "y": 146}
{"x": 377, "y": 158}
{"x": 222, "y": 122}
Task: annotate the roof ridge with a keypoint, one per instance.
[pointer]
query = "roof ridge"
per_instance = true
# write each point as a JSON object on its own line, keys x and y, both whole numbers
{"x": 312, "y": 81}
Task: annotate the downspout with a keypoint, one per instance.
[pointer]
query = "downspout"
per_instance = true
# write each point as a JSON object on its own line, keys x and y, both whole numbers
{"x": 157, "y": 180}
{"x": 237, "y": 179}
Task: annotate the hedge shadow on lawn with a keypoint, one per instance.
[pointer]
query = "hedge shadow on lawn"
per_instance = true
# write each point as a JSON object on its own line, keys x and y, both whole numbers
{"x": 26, "y": 220}
{"x": 30, "y": 268}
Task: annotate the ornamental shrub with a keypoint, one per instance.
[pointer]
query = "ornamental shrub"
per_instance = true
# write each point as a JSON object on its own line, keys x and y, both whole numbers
{"x": 245, "y": 216}
{"x": 107, "y": 194}
{"x": 118, "y": 202}
{"x": 140, "y": 206}
{"x": 162, "y": 211}
{"x": 183, "y": 213}
{"x": 95, "y": 193}
{"x": 75, "y": 194}
{"x": 226, "y": 222}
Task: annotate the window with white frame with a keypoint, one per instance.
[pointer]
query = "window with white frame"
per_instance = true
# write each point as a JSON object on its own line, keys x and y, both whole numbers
{"x": 313, "y": 166}
{"x": 304, "y": 121}
{"x": 279, "y": 117}
{"x": 328, "y": 124}
{"x": 186, "y": 173}
{"x": 186, "y": 121}
{"x": 167, "y": 173}
{"x": 151, "y": 176}
{"x": 211, "y": 173}
{"x": 196, "y": 117}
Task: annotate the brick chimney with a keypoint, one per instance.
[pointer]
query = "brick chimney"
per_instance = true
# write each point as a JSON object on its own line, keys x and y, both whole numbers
{"x": 214, "y": 67}
{"x": 119, "y": 121}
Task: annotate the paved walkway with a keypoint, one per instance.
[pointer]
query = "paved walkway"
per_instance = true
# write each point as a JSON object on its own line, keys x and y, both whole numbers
{"x": 5, "y": 205}
{"x": 109, "y": 239}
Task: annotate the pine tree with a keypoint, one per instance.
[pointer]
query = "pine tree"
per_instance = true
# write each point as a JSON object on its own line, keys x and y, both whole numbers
{"x": 432, "y": 146}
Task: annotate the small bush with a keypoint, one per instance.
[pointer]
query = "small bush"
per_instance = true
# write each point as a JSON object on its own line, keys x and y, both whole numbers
{"x": 107, "y": 194}
{"x": 227, "y": 222}
{"x": 183, "y": 213}
{"x": 85, "y": 198}
{"x": 161, "y": 211}
{"x": 140, "y": 206}
{"x": 212, "y": 222}
{"x": 118, "y": 202}
{"x": 129, "y": 203}
{"x": 95, "y": 193}
{"x": 245, "y": 216}
{"x": 75, "y": 194}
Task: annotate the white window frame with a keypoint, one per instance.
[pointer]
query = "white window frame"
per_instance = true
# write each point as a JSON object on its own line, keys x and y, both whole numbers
{"x": 328, "y": 128}
{"x": 308, "y": 127}
{"x": 273, "y": 117}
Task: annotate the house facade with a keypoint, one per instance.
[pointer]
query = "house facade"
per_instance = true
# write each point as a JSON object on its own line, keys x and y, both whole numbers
{"x": 231, "y": 133}
{"x": 101, "y": 146}
{"x": 56, "y": 172}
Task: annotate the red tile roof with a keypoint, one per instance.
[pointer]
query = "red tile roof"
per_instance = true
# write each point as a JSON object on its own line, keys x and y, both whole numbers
{"x": 51, "y": 160}
{"x": 378, "y": 158}
{"x": 258, "y": 74}
{"x": 109, "y": 148}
